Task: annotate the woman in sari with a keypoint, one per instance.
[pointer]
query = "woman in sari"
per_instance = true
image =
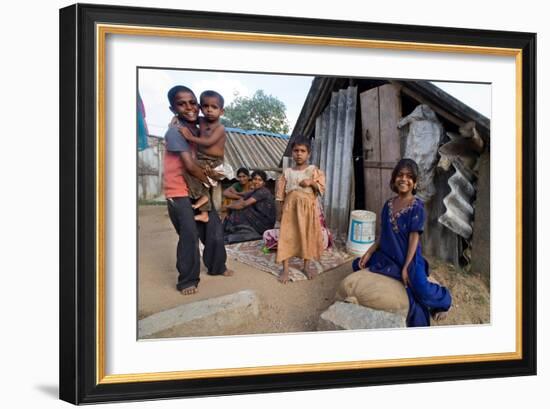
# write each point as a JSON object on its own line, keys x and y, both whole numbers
{"x": 249, "y": 217}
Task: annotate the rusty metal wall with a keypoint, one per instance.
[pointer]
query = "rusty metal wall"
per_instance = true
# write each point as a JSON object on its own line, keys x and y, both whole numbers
{"x": 332, "y": 153}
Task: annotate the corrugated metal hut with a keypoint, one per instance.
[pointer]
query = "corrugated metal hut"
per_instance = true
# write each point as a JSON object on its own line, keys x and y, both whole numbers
{"x": 360, "y": 128}
{"x": 254, "y": 150}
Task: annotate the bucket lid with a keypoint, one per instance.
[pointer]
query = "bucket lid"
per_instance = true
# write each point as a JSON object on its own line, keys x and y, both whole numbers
{"x": 364, "y": 215}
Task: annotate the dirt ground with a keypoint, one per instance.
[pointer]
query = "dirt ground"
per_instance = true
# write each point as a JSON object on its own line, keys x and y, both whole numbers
{"x": 294, "y": 307}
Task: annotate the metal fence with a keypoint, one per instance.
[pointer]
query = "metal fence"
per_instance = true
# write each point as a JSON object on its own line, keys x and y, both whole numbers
{"x": 332, "y": 153}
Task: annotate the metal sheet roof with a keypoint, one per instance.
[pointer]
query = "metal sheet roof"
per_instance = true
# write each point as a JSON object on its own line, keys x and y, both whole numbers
{"x": 254, "y": 150}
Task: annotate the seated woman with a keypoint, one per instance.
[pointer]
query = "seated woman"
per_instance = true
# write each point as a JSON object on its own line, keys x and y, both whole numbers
{"x": 238, "y": 189}
{"x": 249, "y": 217}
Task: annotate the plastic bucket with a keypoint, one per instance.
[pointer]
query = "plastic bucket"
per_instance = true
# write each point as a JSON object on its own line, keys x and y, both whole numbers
{"x": 361, "y": 232}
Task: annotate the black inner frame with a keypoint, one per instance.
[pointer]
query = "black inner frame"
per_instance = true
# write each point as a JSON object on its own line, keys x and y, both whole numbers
{"x": 78, "y": 197}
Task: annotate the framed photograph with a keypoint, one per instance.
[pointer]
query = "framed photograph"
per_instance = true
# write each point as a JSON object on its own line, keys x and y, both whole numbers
{"x": 162, "y": 109}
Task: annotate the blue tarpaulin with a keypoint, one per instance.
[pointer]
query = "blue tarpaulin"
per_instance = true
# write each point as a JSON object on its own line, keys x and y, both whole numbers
{"x": 142, "y": 131}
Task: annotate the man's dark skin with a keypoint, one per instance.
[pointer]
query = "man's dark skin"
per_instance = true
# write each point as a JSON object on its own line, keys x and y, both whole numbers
{"x": 186, "y": 107}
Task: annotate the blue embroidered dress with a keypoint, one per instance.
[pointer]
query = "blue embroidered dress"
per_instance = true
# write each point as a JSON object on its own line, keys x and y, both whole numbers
{"x": 424, "y": 297}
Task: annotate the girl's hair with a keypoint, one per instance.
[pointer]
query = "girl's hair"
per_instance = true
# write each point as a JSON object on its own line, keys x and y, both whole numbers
{"x": 261, "y": 174}
{"x": 300, "y": 140}
{"x": 243, "y": 170}
{"x": 174, "y": 90}
{"x": 404, "y": 164}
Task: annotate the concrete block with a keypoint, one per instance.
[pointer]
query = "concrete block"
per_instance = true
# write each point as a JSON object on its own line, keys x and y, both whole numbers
{"x": 345, "y": 316}
{"x": 215, "y": 316}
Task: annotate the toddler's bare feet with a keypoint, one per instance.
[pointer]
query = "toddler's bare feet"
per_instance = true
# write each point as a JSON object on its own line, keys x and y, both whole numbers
{"x": 189, "y": 290}
{"x": 202, "y": 217}
{"x": 310, "y": 274}
{"x": 228, "y": 273}
{"x": 200, "y": 202}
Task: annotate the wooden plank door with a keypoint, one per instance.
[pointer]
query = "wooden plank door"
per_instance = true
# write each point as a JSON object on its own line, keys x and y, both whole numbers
{"x": 380, "y": 112}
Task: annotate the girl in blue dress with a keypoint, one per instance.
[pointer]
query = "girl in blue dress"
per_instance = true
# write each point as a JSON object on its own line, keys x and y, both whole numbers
{"x": 397, "y": 253}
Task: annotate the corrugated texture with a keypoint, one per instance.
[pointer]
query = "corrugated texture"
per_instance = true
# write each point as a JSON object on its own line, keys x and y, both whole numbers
{"x": 254, "y": 150}
{"x": 317, "y": 99}
{"x": 332, "y": 153}
{"x": 463, "y": 152}
{"x": 458, "y": 203}
{"x": 150, "y": 169}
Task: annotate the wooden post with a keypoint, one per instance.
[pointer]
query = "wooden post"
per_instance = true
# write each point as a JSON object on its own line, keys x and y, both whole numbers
{"x": 371, "y": 149}
{"x": 390, "y": 136}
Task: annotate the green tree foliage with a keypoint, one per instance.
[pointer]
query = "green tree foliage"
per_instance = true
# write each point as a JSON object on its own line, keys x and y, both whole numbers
{"x": 260, "y": 112}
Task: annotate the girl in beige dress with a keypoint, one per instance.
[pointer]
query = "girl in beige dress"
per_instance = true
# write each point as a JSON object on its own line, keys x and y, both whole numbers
{"x": 296, "y": 195}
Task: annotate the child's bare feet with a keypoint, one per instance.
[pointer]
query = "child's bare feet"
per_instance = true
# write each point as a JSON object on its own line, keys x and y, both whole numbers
{"x": 310, "y": 274}
{"x": 202, "y": 217}
{"x": 189, "y": 290}
{"x": 228, "y": 273}
{"x": 283, "y": 278}
{"x": 440, "y": 316}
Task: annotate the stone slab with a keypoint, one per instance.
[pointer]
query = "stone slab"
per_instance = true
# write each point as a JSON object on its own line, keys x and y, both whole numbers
{"x": 217, "y": 315}
{"x": 347, "y": 316}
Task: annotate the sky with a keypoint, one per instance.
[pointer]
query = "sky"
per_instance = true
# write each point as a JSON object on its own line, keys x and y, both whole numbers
{"x": 476, "y": 96}
{"x": 154, "y": 84}
{"x": 290, "y": 89}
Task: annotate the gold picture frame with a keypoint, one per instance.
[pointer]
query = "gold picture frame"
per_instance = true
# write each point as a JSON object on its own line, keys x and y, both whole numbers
{"x": 85, "y": 30}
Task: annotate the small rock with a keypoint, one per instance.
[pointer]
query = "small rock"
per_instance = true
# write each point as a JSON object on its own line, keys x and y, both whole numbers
{"x": 345, "y": 316}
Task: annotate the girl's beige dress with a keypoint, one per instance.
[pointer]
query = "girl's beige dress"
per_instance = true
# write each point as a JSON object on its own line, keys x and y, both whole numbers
{"x": 300, "y": 226}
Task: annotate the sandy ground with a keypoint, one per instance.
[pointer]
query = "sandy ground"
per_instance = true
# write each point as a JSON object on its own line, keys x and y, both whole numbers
{"x": 294, "y": 307}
